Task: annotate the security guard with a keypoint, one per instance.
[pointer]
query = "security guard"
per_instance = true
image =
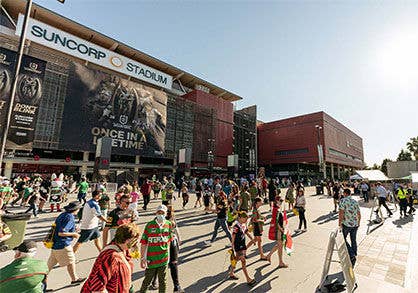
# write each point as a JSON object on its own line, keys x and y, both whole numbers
{"x": 403, "y": 203}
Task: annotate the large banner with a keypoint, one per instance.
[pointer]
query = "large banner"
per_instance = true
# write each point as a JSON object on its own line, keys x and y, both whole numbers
{"x": 27, "y": 99}
{"x": 99, "y": 104}
{"x": 7, "y": 60}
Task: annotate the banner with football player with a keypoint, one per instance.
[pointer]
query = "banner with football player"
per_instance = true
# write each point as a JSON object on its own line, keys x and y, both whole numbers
{"x": 7, "y": 61}
{"x": 27, "y": 100}
{"x": 100, "y": 104}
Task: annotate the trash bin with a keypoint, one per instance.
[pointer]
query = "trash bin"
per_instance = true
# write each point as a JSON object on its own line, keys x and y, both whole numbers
{"x": 17, "y": 225}
{"x": 319, "y": 189}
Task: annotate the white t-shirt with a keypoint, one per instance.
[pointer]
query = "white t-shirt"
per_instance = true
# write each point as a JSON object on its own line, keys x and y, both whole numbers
{"x": 91, "y": 212}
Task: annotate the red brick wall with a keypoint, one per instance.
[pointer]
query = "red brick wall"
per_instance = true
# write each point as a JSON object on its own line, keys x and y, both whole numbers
{"x": 289, "y": 134}
{"x": 224, "y": 119}
{"x": 300, "y": 133}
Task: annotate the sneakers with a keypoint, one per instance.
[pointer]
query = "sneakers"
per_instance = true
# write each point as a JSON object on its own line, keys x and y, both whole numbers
{"x": 78, "y": 281}
{"x": 297, "y": 230}
{"x": 304, "y": 230}
{"x": 207, "y": 243}
{"x": 153, "y": 287}
{"x": 179, "y": 290}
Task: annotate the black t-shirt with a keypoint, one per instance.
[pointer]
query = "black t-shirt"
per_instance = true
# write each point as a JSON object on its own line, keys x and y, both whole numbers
{"x": 20, "y": 186}
{"x": 239, "y": 242}
{"x": 221, "y": 206}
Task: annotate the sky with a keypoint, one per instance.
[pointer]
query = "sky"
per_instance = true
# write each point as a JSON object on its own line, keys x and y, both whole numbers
{"x": 355, "y": 60}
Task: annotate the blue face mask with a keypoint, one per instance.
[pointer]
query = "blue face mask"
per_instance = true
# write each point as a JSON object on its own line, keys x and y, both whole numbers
{"x": 160, "y": 218}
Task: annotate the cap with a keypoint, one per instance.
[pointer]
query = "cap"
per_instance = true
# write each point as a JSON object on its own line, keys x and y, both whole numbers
{"x": 162, "y": 208}
{"x": 73, "y": 206}
{"x": 26, "y": 246}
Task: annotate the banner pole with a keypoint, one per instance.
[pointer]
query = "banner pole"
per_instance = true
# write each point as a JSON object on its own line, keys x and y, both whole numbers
{"x": 15, "y": 79}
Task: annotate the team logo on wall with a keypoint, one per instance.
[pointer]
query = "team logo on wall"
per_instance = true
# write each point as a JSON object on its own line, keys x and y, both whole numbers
{"x": 132, "y": 114}
{"x": 4, "y": 81}
{"x": 29, "y": 89}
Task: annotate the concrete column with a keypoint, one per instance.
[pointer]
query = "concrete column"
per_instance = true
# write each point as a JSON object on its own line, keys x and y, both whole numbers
{"x": 332, "y": 171}
{"x": 136, "y": 169}
{"x": 339, "y": 172}
{"x": 8, "y": 167}
{"x": 83, "y": 169}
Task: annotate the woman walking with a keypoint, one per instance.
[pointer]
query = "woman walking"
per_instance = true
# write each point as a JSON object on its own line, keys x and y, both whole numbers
{"x": 257, "y": 221}
{"x": 184, "y": 194}
{"x": 276, "y": 231}
{"x": 290, "y": 196}
{"x": 300, "y": 206}
{"x": 198, "y": 189}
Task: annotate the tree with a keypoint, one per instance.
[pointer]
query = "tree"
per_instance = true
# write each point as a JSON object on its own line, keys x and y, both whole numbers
{"x": 384, "y": 166}
{"x": 375, "y": 167}
{"x": 412, "y": 146}
{"x": 404, "y": 156}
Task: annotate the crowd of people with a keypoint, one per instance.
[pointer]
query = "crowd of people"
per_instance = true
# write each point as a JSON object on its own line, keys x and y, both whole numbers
{"x": 109, "y": 220}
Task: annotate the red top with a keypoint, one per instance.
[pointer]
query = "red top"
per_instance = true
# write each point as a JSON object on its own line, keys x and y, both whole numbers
{"x": 112, "y": 271}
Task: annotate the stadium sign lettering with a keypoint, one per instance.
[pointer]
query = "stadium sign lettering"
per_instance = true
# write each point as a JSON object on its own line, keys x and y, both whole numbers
{"x": 59, "y": 40}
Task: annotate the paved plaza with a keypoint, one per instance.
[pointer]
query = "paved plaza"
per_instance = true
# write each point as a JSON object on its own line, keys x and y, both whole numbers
{"x": 386, "y": 259}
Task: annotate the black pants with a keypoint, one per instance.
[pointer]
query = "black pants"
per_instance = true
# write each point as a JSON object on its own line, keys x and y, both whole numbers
{"x": 146, "y": 200}
{"x": 173, "y": 265}
{"x": 411, "y": 206}
{"x": 185, "y": 199}
{"x": 403, "y": 204}
{"x": 382, "y": 202}
{"x": 302, "y": 219}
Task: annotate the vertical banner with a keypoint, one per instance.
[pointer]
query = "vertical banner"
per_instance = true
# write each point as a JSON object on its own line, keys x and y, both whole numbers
{"x": 7, "y": 60}
{"x": 25, "y": 108}
{"x": 99, "y": 104}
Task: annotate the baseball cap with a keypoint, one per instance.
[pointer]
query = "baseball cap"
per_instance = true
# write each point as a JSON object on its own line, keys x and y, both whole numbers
{"x": 162, "y": 208}
{"x": 26, "y": 246}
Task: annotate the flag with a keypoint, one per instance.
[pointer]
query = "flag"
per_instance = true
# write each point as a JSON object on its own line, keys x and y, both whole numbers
{"x": 288, "y": 243}
{"x": 285, "y": 221}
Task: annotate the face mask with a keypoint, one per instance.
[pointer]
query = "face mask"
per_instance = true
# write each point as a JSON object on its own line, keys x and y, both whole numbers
{"x": 160, "y": 218}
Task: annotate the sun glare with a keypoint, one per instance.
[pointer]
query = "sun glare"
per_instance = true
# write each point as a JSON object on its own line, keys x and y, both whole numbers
{"x": 398, "y": 60}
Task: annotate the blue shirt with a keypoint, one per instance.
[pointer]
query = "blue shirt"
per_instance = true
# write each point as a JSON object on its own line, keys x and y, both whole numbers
{"x": 64, "y": 223}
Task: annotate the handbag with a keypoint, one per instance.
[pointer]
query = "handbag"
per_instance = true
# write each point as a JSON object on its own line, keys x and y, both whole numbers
{"x": 295, "y": 211}
{"x": 49, "y": 238}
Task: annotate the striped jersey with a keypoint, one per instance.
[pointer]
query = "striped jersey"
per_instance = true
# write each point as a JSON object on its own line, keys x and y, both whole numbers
{"x": 157, "y": 238}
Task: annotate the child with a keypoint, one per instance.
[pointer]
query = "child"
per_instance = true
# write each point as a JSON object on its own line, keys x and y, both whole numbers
{"x": 277, "y": 223}
{"x": 206, "y": 199}
{"x": 230, "y": 214}
{"x": 257, "y": 221}
{"x": 198, "y": 194}
{"x": 184, "y": 194}
{"x": 238, "y": 245}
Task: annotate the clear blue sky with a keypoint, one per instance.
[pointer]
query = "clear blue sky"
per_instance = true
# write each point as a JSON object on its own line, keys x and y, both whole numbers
{"x": 355, "y": 60}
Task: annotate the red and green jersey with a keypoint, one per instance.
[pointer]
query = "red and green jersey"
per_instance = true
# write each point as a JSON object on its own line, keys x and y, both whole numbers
{"x": 157, "y": 238}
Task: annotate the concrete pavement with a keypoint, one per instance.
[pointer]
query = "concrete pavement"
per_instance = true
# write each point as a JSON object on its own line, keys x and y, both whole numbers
{"x": 204, "y": 269}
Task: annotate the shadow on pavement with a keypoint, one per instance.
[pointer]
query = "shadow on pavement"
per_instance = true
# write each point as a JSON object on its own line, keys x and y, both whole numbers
{"x": 403, "y": 221}
{"x": 203, "y": 284}
{"x": 331, "y": 216}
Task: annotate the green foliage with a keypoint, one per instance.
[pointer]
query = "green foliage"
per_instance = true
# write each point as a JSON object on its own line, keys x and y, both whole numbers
{"x": 384, "y": 166}
{"x": 412, "y": 146}
{"x": 404, "y": 156}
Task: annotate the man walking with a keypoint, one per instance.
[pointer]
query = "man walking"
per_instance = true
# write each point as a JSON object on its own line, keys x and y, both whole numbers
{"x": 349, "y": 221}
{"x": 24, "y": 274}
{"x": 62, "y": 251}
{"x": 90, "y": 222}
{"x": 221, "y": 208}
{"x": 82, "y": 188}
{"x": 155, "y": 243}
{"x": 381, "y": 196}
{"x": 365, "y": 191}
{"x": 146, "y": 193}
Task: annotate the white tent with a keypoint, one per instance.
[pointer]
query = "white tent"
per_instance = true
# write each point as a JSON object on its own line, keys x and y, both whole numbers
{"x": 355, "y": 177}
{"x": 372, "y": 175}
{"x": 414, "y": 177}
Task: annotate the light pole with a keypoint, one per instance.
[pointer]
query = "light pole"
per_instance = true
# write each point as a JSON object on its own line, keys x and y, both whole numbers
{"x": 15, "y": 78}
{"x": 321, "y": 160}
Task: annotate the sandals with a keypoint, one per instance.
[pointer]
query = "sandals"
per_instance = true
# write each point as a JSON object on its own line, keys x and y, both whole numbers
{"x": 283, "y": 266}
{"x": 78, "y": 281}
{"x": 252, "y": 282}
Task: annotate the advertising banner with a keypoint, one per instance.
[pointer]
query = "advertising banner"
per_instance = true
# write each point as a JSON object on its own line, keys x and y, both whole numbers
{"x": 25, "y": 108}
{"x": 7, "y": 60}
{"x": 99, "y": 104}
{"x": 62, "y": 41}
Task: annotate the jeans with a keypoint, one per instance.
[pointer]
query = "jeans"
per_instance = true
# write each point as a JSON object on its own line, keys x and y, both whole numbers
{"x": 147, "y": 199}
{"x": 382, "y": 202}
{"x": 352, "y": 249}
{"x": 302, "y": 218}
{"x": 161, "y": 272}
{"x": 403, "y": 204}
{"x": 221, "y": 223}
{"x": 34, "y": 208}
{"x": 366, "y": 196}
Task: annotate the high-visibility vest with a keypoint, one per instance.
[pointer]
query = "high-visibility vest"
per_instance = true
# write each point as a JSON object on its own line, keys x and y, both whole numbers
{"x": 401, "y": 194}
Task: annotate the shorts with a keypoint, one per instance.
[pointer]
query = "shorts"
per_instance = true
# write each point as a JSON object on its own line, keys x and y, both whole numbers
{"x": 89, "y": 234}
{"x": 206, "y": 200}
{"x": 198, "y": 195}
{"x": 257, "y": 231}
{"x": 240, "y": 253}
{"x": 63, "y": 257}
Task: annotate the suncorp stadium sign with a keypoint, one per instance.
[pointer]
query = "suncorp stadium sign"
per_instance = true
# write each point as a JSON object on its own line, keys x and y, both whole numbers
{"x": 56, "y": 39}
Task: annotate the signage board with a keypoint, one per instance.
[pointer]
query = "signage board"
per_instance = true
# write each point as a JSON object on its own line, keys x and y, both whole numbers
{"x": 67, "y": 43}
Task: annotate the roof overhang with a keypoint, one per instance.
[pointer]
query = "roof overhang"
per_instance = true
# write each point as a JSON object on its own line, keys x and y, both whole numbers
{"x": 14, "y": 7}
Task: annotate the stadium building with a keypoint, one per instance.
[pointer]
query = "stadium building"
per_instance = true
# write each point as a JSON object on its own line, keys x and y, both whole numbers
{"x": 77, "y": 85}
{"x": 312, "y": 146}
